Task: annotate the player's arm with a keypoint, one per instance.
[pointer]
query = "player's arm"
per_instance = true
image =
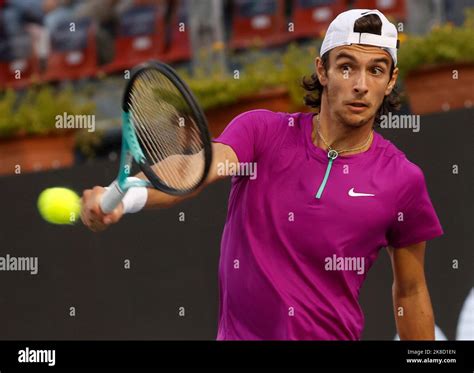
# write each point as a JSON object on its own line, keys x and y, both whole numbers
{"x": 93, "y": 217}
{"x": 411, "y": 299}
{"x": 220, "y": 154}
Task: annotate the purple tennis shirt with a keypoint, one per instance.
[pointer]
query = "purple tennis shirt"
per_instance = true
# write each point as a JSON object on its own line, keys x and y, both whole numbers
{"x": 292, "y": 265}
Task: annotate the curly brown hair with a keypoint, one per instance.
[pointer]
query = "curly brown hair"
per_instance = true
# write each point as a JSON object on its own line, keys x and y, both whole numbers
{"x": 370, "y": 24}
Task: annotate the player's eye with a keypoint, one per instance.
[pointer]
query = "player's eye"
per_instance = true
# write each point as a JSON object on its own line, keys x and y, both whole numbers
{"x": 377, "y": 70}
{"x": 345, "y": 68}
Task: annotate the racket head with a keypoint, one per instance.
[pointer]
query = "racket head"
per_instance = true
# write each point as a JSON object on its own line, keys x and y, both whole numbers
{"x": 170, "y": 127}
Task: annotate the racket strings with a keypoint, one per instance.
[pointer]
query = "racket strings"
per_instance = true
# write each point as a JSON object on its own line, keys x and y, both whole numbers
{"x": 173, "y": 166}
{"x": 158, "y": 154}
{"x": 146, "y": 133}
{"x": 167, "y": 130}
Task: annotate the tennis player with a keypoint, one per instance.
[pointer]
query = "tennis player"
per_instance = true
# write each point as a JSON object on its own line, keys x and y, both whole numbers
{"x": 302, "y": 232}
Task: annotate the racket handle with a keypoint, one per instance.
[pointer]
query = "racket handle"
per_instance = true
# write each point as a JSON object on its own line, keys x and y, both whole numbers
{"x": 111, "y": 198}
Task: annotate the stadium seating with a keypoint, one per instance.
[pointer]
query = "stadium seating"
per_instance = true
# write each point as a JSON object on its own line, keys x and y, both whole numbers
{"x": 140, "y": 37}
{"x": 179, "y": 45}
{"x": 395, "y": 9}
{"x": 311, "y": 18}
{"x": 73, "y": 52}
{"x": 19, "y": 64}
{"x": 258, "y": 23}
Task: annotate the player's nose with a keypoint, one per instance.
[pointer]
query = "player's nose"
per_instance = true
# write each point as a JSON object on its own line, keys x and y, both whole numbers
{"x": 360, "y": 85}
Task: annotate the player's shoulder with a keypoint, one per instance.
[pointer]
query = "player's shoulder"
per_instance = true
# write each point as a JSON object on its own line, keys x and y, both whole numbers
{"x": 260, "y": 117}
{"x": 269, "y": 126}
{"x": 402, "y": 169}
{"x": 265, "y": 116}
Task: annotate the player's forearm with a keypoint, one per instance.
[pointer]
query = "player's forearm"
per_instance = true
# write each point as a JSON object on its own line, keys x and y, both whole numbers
{"x": 221, "y": 154}
{"x": 158, "y": 199}
{"x": 413, "y": 313}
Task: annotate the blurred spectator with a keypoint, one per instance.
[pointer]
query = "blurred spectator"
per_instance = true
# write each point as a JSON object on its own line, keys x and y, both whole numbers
{"x": 17, "y": 13}
{"x": 60, "y": 10}
{"x": 206, "y": 22}
{"x": 455, "y": 10}
{"x": 101, "y": 12}
{"x": 57, "y": 11}
{"x": 423, "y": 15}
{"x": 22, "y": 21}
{"x": 104, "y": 13}
{"x": 20, "y": 28}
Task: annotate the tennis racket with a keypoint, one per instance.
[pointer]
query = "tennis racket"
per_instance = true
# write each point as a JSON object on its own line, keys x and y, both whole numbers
{"x": 164, "y": 131}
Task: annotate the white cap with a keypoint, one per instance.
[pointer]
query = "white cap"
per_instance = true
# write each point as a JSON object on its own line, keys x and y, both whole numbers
{"x": 341, "y": 32}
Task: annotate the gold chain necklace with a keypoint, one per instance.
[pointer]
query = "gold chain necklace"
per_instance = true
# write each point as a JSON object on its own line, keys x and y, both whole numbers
{"x": 333, "y": 153}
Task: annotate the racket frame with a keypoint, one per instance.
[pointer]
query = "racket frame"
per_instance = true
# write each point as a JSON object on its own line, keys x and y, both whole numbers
{"x": 131, "y": 150}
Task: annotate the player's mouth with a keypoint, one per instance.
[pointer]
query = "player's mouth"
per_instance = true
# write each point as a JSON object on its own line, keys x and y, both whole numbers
{"x": 357, "y": 106}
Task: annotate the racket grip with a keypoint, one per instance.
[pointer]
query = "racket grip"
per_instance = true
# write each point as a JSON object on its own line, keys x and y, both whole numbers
{"x": 111, "y": 198}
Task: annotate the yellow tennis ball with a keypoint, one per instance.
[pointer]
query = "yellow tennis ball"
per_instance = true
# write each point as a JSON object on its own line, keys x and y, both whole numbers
{"x": 59, "y": 206}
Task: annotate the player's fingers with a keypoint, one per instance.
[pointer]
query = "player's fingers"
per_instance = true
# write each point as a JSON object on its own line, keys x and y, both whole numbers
{"x": 89, "y": 221}
{"x": 85, "y": 206}
{"x": 96, "y": 224}
{"x": 91, "y": 202}
{"x": 91, "y": 214}
{"x": 109, "y": 219}
{"x": 113, "y": 217}
{"x": 97, "y": 227}
{"x": 86, "y": 194}
{"x": 96, "y": 196}
{"x": 83, "y": 218}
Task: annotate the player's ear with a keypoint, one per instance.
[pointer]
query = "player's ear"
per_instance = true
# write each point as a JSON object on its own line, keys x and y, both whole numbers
{"x": 321, "y": 72}
{"x": 391, "y": 82}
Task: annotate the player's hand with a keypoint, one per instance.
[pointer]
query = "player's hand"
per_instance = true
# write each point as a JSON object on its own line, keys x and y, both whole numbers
{"x": 91, "y": 213}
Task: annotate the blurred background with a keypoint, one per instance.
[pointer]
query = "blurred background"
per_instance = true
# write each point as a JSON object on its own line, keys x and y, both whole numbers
{"x": 74, "y": 57}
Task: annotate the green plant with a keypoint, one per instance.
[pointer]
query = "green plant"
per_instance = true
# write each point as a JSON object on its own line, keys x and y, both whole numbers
{"x": 445, "y": 44}
{"x": 258, "y": 73}
{"x": 7, "y": 123}
{"x": 297, "y": 62}
{"x": 34, "y": 113}
{"x": 88, "y": 142}
{"x": 221, "y": 89}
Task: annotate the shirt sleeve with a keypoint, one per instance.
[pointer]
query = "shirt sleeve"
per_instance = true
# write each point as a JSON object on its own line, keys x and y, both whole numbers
{"x": 415, "y": 219}
{"x": 248, "y": 134}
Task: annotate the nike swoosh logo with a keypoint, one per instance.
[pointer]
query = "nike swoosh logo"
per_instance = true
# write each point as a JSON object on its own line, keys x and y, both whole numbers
{"x": 355, "y": 194}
